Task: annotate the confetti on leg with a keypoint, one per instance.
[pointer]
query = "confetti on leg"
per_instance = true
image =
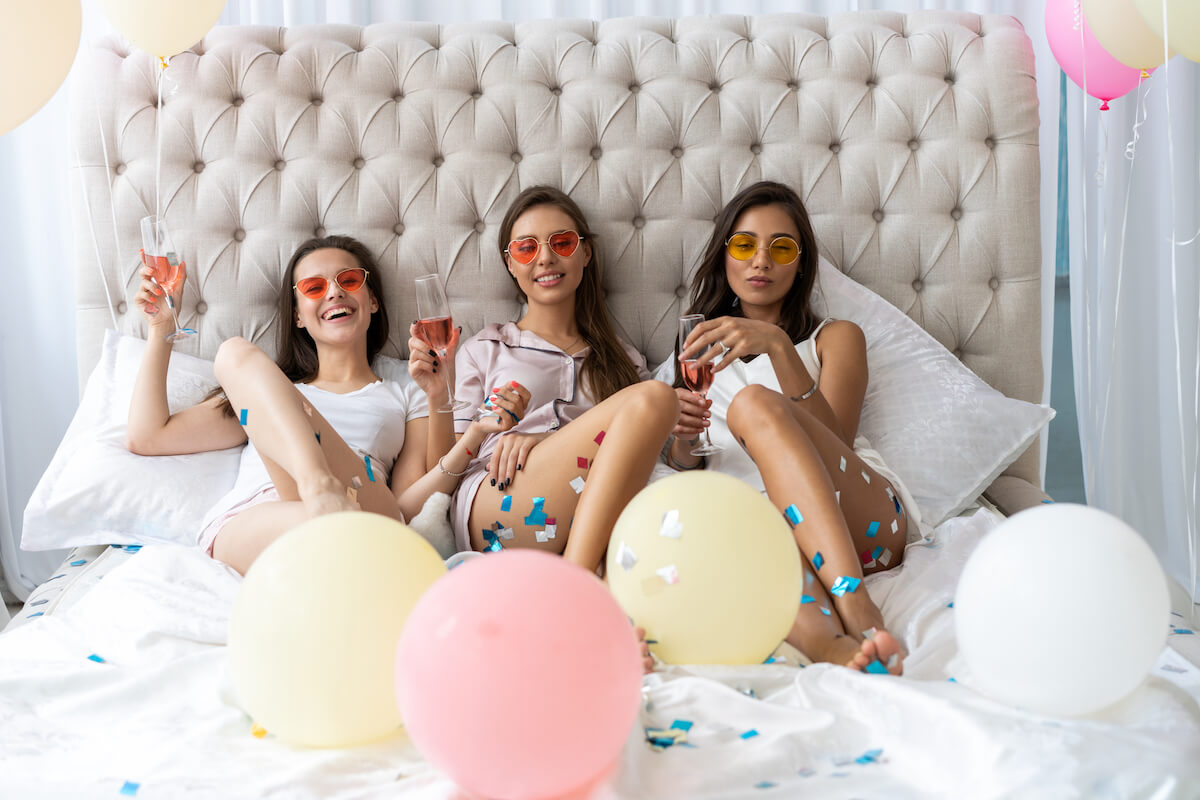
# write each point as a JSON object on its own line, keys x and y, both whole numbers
{"x": 370, "y": 472}
{"x": 865, "y": 476}
{"x": 895, "y": 526}
{"x": 242, "y": 416}
{"x": 818, "y": 561}
{"x": 356, "y": 482}
{"x": 844, "y": 584}
{"x": 793, "y": 515}
{"x": 886, "y": 557}
{"x": 537, "y": 516}
{"x": 577, "y": 483}
{"x": 581, "y": 462}
{"x": 842, "y": 466}
{"x": 352, "y": 493}
{"x": 805, "y": 599}
{"x": 599, "y": 437}
{"x": 872, "y": 529}
{"x": 506, "y": 503}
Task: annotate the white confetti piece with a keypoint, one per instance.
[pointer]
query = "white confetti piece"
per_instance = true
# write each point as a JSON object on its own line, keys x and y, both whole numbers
{"x": 547, "y": 534}
{"x": 577, "y": 484}
{"x": 505, "y": 533}
{"x": 669, "y": 574}
{"x": 838, "y": 496}
{"x": 886, "y": 557}
{"x": 356, "y": 482}
{"x": 843, "y": 465}
{"x": 893, "y": 660}
{"x": 626, "y": 557}
{"x": 671, "y": 527}
{"x": 866, "y": 477}
{"x": 895, "y": 526}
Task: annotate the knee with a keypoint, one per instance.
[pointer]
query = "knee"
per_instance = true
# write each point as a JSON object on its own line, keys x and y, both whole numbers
{"x": 655, "y": 400}
{"x": 232, "y": 353}
{"x": 755, "y": 407}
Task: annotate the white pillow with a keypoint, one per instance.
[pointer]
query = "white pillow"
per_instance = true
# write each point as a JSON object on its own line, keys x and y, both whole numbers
{"x": 945, "y": 432}
{"x": 97, "y": 492}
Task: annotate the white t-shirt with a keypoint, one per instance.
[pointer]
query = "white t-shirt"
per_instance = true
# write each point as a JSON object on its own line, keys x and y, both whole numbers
{"x": 371, "y": 420}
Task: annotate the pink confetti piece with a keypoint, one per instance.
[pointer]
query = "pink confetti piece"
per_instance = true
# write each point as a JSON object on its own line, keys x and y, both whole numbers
{"x": 599, "y": 437}
{"x": 581, "y": 462}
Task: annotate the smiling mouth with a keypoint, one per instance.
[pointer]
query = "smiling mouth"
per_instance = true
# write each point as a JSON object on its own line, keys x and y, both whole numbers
{"x": 549, "y": 278}
{"x": 337, "y": 313}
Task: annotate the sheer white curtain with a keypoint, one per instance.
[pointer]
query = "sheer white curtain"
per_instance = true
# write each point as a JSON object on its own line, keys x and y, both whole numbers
{"x": 38, "y": 387}
{"x": 1135, "y": 302}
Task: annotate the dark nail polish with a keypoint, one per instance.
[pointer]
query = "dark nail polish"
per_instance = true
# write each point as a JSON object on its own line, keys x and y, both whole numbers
{"x": 493, "y": 481}
{"x": 519, "y": 467}
{"x": 435, "y": 370}
{"x": 432, "y": 353}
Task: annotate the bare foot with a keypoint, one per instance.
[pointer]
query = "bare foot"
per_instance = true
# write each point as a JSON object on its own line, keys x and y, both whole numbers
{"x": 858, "y": 612}
{"x": 880, "y": 653}
{"x": 647, "y": 659}
{"x": 326, "y": 496}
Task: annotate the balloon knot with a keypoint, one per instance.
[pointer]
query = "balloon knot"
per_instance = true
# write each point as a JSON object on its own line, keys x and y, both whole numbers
{"x": 1104, "y": 105}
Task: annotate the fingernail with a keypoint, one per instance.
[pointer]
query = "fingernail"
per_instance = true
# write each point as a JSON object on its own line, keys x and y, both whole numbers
{"x": 519, "y": 467}
{"x": 435, "y": 370}
{"x": 432, "y": 353}
{"x": 513, "y": 384}
{"x": 493, "y": 481}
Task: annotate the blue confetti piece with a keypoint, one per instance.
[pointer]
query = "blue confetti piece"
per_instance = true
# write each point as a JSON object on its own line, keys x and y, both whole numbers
{"x": 818, "y": 562}
{"x": 764, "y": 785}
{"x": 56, "y": 577}
{"x": 318, "y": 437}
{"x": 130, "y": 788}
{"x": 96, "y": 658}
{"x": 950, "y": 604}
{"x": 506, "y": 503}
{"x": 78, "y": 563}
{"x": 242, "y": 416}
{"x": 872, "y": 529}
{"x": 537, "y": 516}
{"x": 1048, "y": 502}
{"x": 681, "y": 725}
{"x": 825, "y": 611}
{"x": 807, "y": 598}
{"x": 774, "y": 660}
{"x": 370, "y": 472}
{"x": 1182, "y": 631}
{"x": 876, "y": 667}
{"x": 493, "y": 541}
{"x": 35, "y": 614}
{"x": 38, "y": 602}
{"x": 750, "y": 734}
{"x": 869, "y": 757}
{"x": 951, "y": 680}
{"x": 844, "y": 584}
{"x": 132, "y": 548}
{"x": 793, "y": 514}
{"x": 896, "y": 503}
{"x": 877, "y": 552}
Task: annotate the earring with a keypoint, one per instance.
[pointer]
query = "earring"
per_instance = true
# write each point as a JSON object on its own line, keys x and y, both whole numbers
{"x": 737, "y": 301}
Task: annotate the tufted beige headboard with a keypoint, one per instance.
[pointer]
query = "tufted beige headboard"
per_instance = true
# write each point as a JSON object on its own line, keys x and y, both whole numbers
{"x": 912, "y": 138}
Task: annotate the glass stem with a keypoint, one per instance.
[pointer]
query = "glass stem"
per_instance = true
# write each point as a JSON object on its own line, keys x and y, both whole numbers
{"x": 446, "y": 375}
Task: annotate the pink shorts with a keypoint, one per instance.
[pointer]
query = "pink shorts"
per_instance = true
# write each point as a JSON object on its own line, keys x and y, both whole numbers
{"x": 208, "y": 535}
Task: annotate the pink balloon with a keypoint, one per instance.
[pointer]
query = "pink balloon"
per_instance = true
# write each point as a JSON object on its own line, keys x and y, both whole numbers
{"x": 1081, "y": 56}
{"x": 519, "y": 676}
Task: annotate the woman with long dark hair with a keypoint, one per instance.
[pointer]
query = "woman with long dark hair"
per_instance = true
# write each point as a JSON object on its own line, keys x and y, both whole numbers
{"x": 587, "y": 428}
{"x": 786, "y": 398}
{"x": 325, "y": 432}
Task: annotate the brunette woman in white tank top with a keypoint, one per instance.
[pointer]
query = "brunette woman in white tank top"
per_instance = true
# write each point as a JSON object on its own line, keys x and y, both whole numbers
{"x": 791, "y": 426}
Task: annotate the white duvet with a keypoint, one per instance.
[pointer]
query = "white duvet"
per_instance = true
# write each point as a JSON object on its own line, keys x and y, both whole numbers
{"x": 158, "y": 717}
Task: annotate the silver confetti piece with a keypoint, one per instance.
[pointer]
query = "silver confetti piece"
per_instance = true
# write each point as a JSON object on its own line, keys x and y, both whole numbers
{"x": 577, "y": 484}
{"x": 669, "y": 574}
{"x": 626, "y": 557}
{"x": 671, "y": 527}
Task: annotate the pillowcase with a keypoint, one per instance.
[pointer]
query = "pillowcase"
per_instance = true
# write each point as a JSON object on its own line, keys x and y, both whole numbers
{"x": 97, "y": 492}
{"x": 941, "y": 427}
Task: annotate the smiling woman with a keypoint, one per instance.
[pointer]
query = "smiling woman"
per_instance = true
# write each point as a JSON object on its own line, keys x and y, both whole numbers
{"x": 324, "y": 432}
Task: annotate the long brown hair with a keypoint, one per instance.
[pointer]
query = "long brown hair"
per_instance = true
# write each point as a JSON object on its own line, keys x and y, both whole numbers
{"x": 607, "y": 368}
{"x": 711, "y": 295}
{"x": 297, "y": 351}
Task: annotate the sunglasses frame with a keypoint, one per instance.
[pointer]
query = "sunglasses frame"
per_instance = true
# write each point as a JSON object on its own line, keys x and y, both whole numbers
{"x": 758, "y": 247}
{"x": 579, "y": 237}
{"x": 340, "y": 273}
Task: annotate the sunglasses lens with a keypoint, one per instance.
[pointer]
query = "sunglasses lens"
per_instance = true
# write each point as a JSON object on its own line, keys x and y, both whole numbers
{"x": 784, "y": 250}
{"x": 312, "y": 287}
{"x": 352, "y": 279}
{"x": 523, "y": 250}
{"x": 742, "y": 246}
{"x": 564, "y": 243}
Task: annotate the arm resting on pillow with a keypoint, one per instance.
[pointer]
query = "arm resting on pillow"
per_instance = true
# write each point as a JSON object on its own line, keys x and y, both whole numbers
{"x": 1011, "y": 494}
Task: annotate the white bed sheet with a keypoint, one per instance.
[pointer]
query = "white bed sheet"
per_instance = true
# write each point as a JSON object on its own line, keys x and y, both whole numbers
{"x": 160, "y": 712}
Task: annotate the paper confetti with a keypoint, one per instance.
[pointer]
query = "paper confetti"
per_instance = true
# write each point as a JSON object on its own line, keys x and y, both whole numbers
{"x": 537, "y": 516}
{"x": 869, "y": 633}
{"x": 258, "y": 731}
{"x": 493, "y": 541}
{"x": 842, "y": 466}
{"x": 865, "y": 476}
{"x": 547, "y": 534}
{"x": 581, "y": 462}
{"x": 893, "y": 660}
{"x": 886, "y": 557}
{"x": 669, "y": 574}
{"x": 764, "y": 785}
{"x": 895, "y": 526}
{"x": 877, "y": 552}
{"x": 242, "y": 416}
{"x": 750, "y": 734}
{"x": 825, "y": 611}
{"x": 78, "y": 563}
{"x": 130, "y": 788}
{"x": 872, "y": 529}
{"x": 318, "y": 435}
{"x": 599, "y": 437}
{"x": 577, "y": 484}
{"x": 671, "y": 527}
{"x": 793, "y": 514}
{"x": 806, "y": 599}
{"x": 505, "y": 533}
{"x": 370, "y": 472}
{"x": 869, "y": 757}
{"x": 96, "y": 658}
{"x": 838, "y": 497}
{"x": 844, "y": 584}
{"x": 626, "y": 557}
{"x": 896, "y": 503}
{"x": 876, "y": 667}
{"x": 818, "y": 561}
{"x": 506, "y": 503}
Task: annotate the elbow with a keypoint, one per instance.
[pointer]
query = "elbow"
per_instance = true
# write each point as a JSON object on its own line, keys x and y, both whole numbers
{"x": 137, "y": 444}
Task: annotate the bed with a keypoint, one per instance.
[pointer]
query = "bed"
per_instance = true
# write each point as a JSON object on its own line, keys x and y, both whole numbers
{"x": 913, "y": 141}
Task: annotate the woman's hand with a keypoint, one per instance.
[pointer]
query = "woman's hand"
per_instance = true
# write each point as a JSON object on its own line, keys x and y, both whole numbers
{"x": 510, "y": 455}
{"x": 151, "y": 299}
{"x": 740, "y": 337}
{"x": 504, "y": 408}
{"x": 426, "y": 367}
{"x": 693, "y": 414}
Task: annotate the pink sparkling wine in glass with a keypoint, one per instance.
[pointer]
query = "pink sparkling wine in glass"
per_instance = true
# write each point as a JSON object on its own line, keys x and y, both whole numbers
{"x": 435, "y": 331}
{"x": 697, "y": 376}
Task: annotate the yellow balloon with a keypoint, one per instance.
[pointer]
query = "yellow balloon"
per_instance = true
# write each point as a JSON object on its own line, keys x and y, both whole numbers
{"x": 1120, "y": 30}
{"x": 163, "y": 27}
{"x": 38, "y": 41}
{"x": 312, "y": 641}
{"x": 708, "y": 566}
{"x": 1183, "y": 23}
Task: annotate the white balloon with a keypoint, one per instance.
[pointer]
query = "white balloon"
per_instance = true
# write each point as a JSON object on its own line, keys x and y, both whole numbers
{"x": 1062, "y": 609}
{"x": 163, "y": 28}
{"x": 37, "y": 47}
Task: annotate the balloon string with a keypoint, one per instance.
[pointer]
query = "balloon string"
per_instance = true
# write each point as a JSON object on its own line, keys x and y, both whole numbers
{"x": 87, "y": 200}
{"x": 158, "y": 126}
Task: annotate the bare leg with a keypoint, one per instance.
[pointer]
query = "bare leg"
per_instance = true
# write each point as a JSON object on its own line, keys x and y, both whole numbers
{"x": 608, "y": 453}
{"x": 843, "y": 517}
{"x": 309, "y": 463}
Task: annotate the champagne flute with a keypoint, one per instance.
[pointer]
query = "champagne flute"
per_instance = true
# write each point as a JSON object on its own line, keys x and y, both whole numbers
{"x": 160, "y": 255}
{"x": 435, "y": 325}
{"x": 698, "y": 377}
